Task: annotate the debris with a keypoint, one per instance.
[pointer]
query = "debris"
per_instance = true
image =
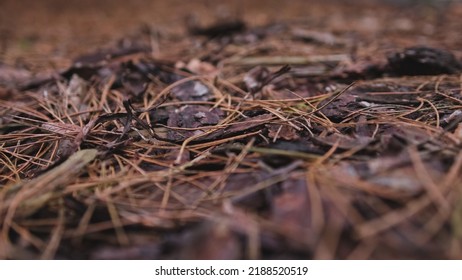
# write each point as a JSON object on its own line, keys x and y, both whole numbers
{"x": 220, "y": 29}
{"x": 11, "y": 76}
{"x": 192, "y": 90}
{"x": 290, "y": 60}
{"x": 423, "y": 61}
{"x": 295, "y": 139}
{"x": 312, "y": 36}
{"x": 191, "y": 116}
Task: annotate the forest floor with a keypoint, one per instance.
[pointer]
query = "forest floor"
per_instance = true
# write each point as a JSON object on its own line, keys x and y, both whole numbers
{"x": 245, "y": 130}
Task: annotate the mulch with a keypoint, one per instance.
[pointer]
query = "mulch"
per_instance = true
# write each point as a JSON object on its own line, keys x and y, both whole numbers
{"x": 333, "y": 137}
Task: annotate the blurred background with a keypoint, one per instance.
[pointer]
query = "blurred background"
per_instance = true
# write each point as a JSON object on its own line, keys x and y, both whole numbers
{"x": 51, "y": 32}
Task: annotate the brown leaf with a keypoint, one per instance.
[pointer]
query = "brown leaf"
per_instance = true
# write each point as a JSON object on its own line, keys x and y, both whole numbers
{"x": 192, "y": 91}
{"x": 191, "y": 116}
{"x": 285, "y": 132}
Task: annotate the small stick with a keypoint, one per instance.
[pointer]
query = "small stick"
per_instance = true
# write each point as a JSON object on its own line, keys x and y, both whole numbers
{"x": 291, "y": 60}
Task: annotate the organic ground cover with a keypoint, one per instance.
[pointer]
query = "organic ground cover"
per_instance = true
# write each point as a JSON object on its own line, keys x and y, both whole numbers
{"x": 330, "y": 132}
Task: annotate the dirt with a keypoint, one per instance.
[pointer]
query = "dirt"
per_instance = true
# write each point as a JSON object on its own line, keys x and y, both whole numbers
{"x": 244, "y": 130}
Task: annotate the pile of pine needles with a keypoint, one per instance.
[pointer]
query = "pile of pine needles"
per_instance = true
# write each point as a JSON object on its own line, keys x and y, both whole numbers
{"x": 220, "y": 151}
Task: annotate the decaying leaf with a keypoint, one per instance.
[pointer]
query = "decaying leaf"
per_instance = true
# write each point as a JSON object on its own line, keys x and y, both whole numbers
{"x": 189, "y": 117}
{"x": 192, "y": 90}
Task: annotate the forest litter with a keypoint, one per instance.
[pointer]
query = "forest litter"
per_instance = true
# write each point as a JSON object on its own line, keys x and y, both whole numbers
{"x": 236, "y": 142}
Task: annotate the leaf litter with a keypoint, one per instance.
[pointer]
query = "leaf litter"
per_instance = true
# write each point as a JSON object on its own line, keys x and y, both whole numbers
{"x": 233, "y": 145}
